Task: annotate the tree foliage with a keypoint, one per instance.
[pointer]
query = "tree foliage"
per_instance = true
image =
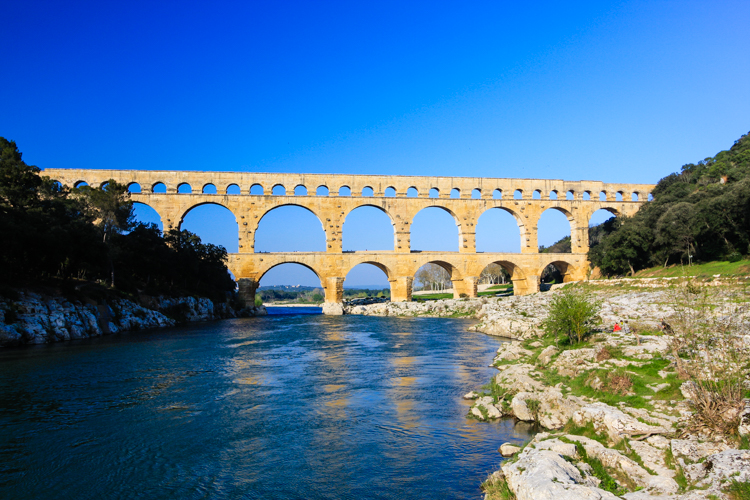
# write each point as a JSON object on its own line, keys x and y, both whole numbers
{"x": 701, "y": 213}
{"x": 53, "y": 232}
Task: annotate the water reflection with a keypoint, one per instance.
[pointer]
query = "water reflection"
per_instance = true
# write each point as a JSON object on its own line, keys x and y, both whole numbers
{"x": 286, "y": 406}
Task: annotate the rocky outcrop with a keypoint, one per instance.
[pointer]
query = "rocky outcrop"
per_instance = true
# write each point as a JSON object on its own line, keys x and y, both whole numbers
{"x": 430, "y": 309}
{"x": 35, "y": 319}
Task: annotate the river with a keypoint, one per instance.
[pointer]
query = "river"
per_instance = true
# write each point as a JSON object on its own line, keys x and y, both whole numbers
{"x": 283, "y": 406}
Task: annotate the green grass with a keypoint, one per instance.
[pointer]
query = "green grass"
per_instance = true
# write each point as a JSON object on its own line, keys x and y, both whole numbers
{"x": 738, "y": 490}
{"x": 497, "y": 489}
{"x": 500, "y": 287}
{"x": 433, "y": 296}
{"x": 705, "y": 270}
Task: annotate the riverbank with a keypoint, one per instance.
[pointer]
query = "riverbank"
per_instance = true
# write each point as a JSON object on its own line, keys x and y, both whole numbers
{"x": 34, "y": 318}
{"x": 618, "y": 417}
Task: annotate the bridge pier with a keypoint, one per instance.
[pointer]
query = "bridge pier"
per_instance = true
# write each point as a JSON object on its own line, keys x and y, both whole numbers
{"x": 246, "y": 288}
{"x": 334, "y": 291}
{"x": 466, "y": 287}
{"x": 401, "y": 288}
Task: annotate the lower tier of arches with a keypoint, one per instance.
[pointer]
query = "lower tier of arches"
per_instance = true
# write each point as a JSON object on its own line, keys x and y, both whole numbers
{"x": 525, "y": 270}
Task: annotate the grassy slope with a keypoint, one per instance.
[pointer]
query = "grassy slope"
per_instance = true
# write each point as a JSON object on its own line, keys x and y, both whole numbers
{"x": 739, "y": 268}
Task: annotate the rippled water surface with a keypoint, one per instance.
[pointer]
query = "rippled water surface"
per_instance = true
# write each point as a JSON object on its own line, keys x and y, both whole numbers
{"x": 284, "y": 406}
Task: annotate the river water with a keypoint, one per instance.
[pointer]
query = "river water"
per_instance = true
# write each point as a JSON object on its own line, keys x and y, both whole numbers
{"x": 282, "y": 406}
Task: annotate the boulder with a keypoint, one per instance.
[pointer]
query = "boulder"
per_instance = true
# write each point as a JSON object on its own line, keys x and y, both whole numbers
{"x": 508, "y": 450}
{"x": 545, "y": 357}
{"x": 471, "y": 395}
{"x": 511, "y": 351}
{"x": 485, "y": 405}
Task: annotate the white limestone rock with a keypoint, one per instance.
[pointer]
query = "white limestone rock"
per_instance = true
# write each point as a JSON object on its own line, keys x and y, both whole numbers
{"x": 508, "y": 449}
{"x": 545, "y": 357}
{"x": 613, "y": 422}
{"x": 485, "y": 405}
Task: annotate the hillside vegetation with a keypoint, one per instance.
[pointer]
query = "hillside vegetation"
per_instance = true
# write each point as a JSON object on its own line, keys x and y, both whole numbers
{"x": 86, "y": 237}
{"x": 701, "y": 213}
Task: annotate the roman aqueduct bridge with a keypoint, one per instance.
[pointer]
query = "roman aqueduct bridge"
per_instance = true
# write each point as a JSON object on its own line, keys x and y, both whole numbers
{"x": 332, "y": 197}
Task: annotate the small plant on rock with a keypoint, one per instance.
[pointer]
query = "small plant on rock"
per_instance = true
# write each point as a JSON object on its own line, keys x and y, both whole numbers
{"x": 573, "y": 313}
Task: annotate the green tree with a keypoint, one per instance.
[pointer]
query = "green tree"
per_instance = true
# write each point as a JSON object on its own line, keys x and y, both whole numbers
{"x": 572, "y": 314}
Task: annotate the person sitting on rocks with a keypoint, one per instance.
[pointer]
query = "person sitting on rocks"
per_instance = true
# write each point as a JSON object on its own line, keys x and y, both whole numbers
{"x": 625, "y": 327}
{"x": 617, "y": 327}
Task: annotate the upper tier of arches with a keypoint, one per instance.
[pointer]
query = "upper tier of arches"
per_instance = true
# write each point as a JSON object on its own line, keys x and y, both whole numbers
{"x": 364, "y": 185}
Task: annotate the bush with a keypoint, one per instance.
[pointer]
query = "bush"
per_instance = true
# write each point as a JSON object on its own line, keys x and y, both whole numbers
{"x": 573, "y": 314}
{"x": 709, "y": 349}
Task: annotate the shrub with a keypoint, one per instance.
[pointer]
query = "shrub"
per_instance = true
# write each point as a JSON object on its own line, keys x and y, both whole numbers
{"x": 709, "y": 349}
{"x": 572, "y": 314}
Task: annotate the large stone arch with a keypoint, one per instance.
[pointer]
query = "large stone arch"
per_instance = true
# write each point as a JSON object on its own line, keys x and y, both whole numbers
{"x": 367, "y": 260}
{"x": 203, "y": 203}
{"x": 364, "y": 204}
{"x": 516, "y": 216}
{"x": 192, "y": 207}
{"x": 270, "y": 209}
{"x": 156, "y": 210}
{"x": 572, "y": 224}
{"x": 523, "y": 280}
{"x": 435, "y": 203}
{"x": 569, "y": 268}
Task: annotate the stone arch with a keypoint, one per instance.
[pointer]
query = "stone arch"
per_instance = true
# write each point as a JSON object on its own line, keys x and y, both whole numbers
{"x": 264, "y": 270}
{"x": 346, "y": 245}
{"x": 159, "y": 188}
{"x": 586, "y": 195}
{"x": 257, "y": 190}
{"x": 553, "y": 194}
{"x": 602, "y": 195}
{"x": 300, "y": 190}
{"x": 299, "y": 205}
{"x": 434, "y": 193}
{"x": 390, "y": 192}
{"x": 476, "y": 194}
{"x": 104, "y": 185}
{"x": 635, "y": 196}
{"x": 487, "y": 241}
{"x": 322, "y": 190}
{"x": 386, "y": 270}
{"x": 518, "y": 194}
{"x": 537, "y": 194}
{"x": 80, "y": 184}
{"x": 523, "y": 284}
{"x": 184, "y": 188}
{"x": 497, "y": 194}
{"x": 547, "y": 227}
{"x": 278, "y": 190}
{"x": 368, "y": 192}
{"x": 215, "y": 229}
{"x": 412, "y": 192}
{"x": 599, "y": 216}
{"x": 454, "y": 273}
{"x": 233, "y": 189}
{"x": 565, "y": 268}
{"x": 570, "y": 195}
{"x": 455, "y": 193}
{"x": 209, "y": 188}
{"x": 345, "y": 191}
{"x": 418, "y": 235}
{"x": 619, "y": 196}
{"x": 134, "y": 187}
{"x": 145, "y": 213}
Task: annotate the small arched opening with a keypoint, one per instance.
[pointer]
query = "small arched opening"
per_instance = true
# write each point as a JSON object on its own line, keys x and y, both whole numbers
{"x": 278, "y": 190}
{"x": 209, "y": 189}
{"x": 412, "y": 192}
{"x": 134, "y": 188}
{"x": 497, "y": 194}
{"x": 434, "y": 193}
{"x": 553, "y": 195}
{"x": 618, "y": 196}
{"x": 368, "y": 192}
{"x": 455, "y": 193}
{"x": 345, "y": 191}
{"x": 322, "y": 191}
{"x": 518, "y": 194}
{"x": 159, "y": 188}
{"x": 390, "y": 192}
{"x": 256, "y": 190}
{"x": 476, "y": 194}
{"x": 570, "y": 195}
{"x": 80, "y": 184}
{"x": 184, "y": 188}
{"x": 300, "y": 190}
{"x": 587, "y": 195}
{"x": 602, "y": 196}
{"x": 233, "y": 189}
{"x": 634, "y": 196}
{"x": 536, "y": 195}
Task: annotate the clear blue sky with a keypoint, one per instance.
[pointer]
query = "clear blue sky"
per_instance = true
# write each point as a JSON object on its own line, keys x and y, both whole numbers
{"x": 619, "y": 92}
